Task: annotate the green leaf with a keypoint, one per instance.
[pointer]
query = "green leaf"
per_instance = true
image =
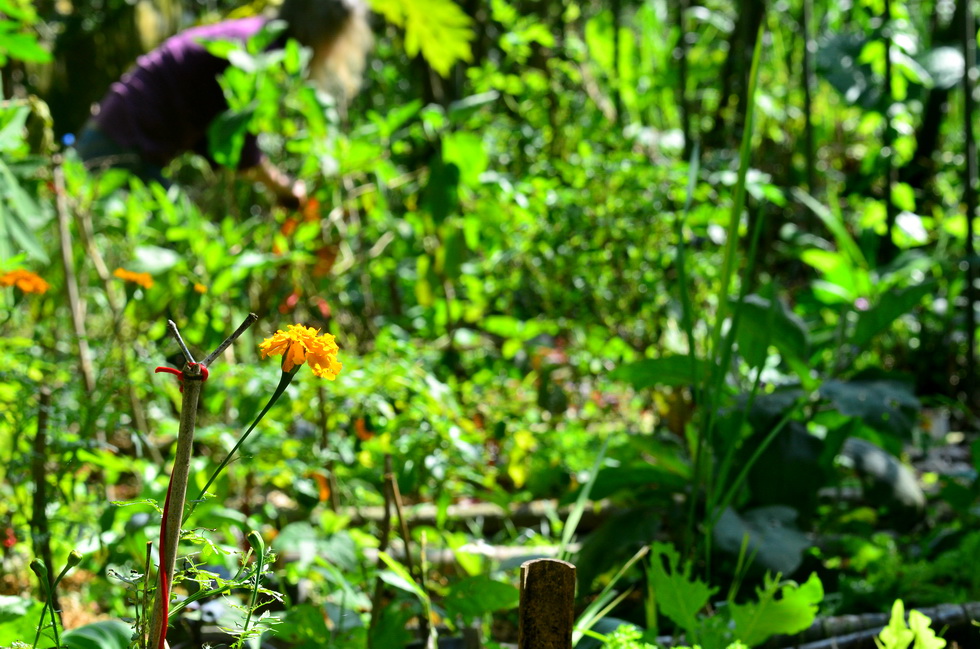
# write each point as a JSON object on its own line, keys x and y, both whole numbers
{"x": 18, "y": 211}
{"x": 892, "y": 305}
{"x": 783, "y": 607}
{"x": 23, "y": 47}
{"x": 675, "y": 371}
{"x": 476, "y": 596}
{"x": 442, "y": 191}
{"x": 896, "y": 635}
{"x": 399, "y": 577}
{"x": 925, "y": 637}
{"x": 466, "y": 151}
{"x": 835, "y": 223}
{"x": 679, "y": 596}
{"x": 154, "y": 259}
{"x": 106, "y": 634}
{"x": 14, "y": 120}
{"x": 438, "y": 29}
{"x": 18, "y": 619}
{"x": 226, "y": 136}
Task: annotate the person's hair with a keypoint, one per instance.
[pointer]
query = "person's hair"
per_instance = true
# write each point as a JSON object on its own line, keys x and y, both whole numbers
{"x": 338, "y": 28}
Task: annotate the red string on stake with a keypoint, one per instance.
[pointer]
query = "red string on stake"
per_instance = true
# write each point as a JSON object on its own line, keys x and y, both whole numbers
{"x": 180, "y": 375}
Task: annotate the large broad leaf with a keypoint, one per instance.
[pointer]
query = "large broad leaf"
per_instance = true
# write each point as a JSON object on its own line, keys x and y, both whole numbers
{"x": 789, "y": 472}
{"x": 679, "y": 596}
{"x": 666, "y": 370}
{"x": 886, "y": 406}
{"x": 107, "y": 634}
{"x": 438, "y": 29}
{"x": 773, "y": 537}
{"x": 764, "y": 323}
{"x": 18, "y": 619}
{"x": 637, "y": 478}
{"x": 783, "y": 608}
{"x": 892, "y": 304}
{"x": 477, "y": 596}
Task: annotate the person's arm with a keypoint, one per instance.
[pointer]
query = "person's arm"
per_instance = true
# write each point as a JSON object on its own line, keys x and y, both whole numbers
{"x": 289, "y": 193}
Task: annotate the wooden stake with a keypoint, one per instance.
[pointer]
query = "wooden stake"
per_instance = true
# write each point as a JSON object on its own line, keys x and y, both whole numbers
{"x": 547, "y": 610}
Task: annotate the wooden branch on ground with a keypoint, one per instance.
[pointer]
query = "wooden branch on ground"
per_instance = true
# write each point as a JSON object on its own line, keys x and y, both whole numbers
{"x": 492, "y": 516}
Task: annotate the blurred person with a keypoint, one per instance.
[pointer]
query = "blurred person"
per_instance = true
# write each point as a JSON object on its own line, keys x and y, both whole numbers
{"x": 162, "y": 107}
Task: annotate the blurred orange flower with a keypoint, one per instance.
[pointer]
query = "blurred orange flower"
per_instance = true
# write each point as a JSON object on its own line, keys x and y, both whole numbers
{"x": 298, "y": 345}
{"x": 200, "y": 288}
{"x": 25, "y": 280}
{"x": 141, "y": 279}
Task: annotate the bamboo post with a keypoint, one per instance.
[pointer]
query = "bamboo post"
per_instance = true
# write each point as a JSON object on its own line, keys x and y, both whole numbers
{"x": 547, "y": 610}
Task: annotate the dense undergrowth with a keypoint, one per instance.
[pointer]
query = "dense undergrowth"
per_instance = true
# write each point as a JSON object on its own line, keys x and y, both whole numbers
{"x": 541, "y": 292}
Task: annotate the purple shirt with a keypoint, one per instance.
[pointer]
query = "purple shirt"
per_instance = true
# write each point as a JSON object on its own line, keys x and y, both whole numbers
{"x": 163, "y": 106}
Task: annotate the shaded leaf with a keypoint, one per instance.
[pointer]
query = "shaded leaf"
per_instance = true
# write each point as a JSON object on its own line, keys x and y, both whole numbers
{"x": 887, "y": 406}
{"x": 773, "y": 537}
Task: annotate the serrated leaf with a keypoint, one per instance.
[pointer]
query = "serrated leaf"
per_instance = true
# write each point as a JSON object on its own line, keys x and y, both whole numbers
{"x": 925, "y": 637}
{"x": 896, "y": 635}
{"x": 679, "y": 596}
{"x": 438, "y": 29}
{"x": 783, "y": 607}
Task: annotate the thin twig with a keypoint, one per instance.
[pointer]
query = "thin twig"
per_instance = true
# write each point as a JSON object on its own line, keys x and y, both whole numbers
{"x": 83, "y": 222}
{"x": 180, "y": 341}
{"x": 75, "y": 306}
{"x": 396, "y": 497}
{"x": 382, "y": 547}
{"x": 39, "y": 519}
{"x": 248, "y": 322}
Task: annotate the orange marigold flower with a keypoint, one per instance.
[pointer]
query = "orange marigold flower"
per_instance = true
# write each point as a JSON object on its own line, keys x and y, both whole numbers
{"x": 141, "y": 279}
{"x": 25, "y": 280}
{"x": 298, "y": 345}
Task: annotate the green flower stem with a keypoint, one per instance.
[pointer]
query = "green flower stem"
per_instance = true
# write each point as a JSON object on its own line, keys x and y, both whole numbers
{"x": 255, "y": 539}
{"x": 283, "y": 383}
